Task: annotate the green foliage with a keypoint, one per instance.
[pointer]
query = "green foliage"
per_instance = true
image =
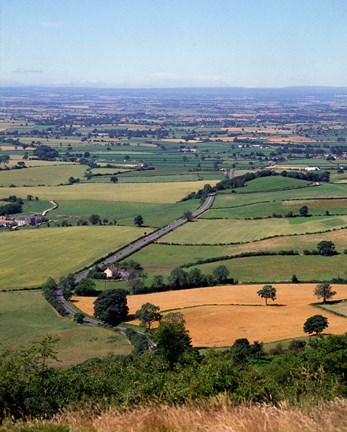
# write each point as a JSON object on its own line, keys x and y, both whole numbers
{"x": 85, "y": 288}
{"x": 138, "y": 220}
{"x": 324, "y": 291}
{"x": 267, "y": 292}
{"x": 315, "y": 324}
{"x": 303, "y": 211}
{"x": 220, "y": 274}
{"x": 326, "y": 248}
{"x": 242, "y": 350}
{"x": 172, "y": 339}
{"x": 95, "y": 219}
{"x": 111, "y": 306}
{"x": 79, "y": 317}
{"x": 148, "y": 314}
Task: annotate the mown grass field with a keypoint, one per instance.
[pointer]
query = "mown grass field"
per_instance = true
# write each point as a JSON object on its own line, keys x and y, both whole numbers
{"x": 232, "y": 231}
{"x": 217, "y": 316}
{"x": 29, "y": 257}
{"x": 26, "y": 317}
{"x": 48, "y": 175}
{"x": 127, "y": 192}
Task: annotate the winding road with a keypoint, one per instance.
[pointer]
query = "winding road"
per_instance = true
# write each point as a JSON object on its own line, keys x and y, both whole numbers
{"x": 129, "y": 250}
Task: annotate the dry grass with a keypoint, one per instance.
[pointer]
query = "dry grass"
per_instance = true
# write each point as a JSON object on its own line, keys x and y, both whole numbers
{"x": 217, "y": 316}
{"x": 218, "y": 415}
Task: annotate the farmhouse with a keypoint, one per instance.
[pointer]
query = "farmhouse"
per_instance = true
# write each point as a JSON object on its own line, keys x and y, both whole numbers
{"x": 114, "y": 272}
{"x": 311, "y": 169}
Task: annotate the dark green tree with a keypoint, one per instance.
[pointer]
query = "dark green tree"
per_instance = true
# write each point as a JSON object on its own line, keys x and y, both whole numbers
{"x": 138, "y": 220}
{"x": 114, "y": 179}
{"x": 178, "y": 279}
{"x": 315, "y": 324}
{"x": 188, "y": 215}
{"x": 303, "y": 211}
{"x": 148, "y": 314}
{"x": 95, "y": 219}
{"x": 220, "y": 274}
{"x": 79, "y": 317}
{"x": 172, "y": 339}
{"x": 86, "y": 287}
{"x": 267, "y": 292}
{"x": 326, "y": 248}
{"x": 111, "y": 306}
{"x": 324, "y": 291}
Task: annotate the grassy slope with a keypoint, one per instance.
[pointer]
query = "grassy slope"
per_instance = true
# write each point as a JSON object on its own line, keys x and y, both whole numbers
{"x": 28, "y": 258}
{"x": 270, "y": 183}
{"x": 27, "y": 317}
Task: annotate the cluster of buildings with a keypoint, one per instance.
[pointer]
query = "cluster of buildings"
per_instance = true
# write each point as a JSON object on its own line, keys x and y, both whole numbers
{"x": 32, "y": 220}
{"x": 114, "y": 272}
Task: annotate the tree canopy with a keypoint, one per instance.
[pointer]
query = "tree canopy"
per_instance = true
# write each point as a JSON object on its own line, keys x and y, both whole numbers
{"x": 267, "y": 292}
{"x": 324, "y": 291}
{"x": 111, "y": 306}
{"x": 148, "y": 314}
{"x": 326, "y": 248}
{"x": 315, "y": 324}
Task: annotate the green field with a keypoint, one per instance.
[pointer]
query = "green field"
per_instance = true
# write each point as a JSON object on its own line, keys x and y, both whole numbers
{"x": 26, "y": 317}
{"x": 155, "y": 215}
{"x": 29, "y": 257}
{"x": 49, "y": 175}
{"x": 263, "y": 184}
{"x": 127, "y": 192}
{"x": 281, "y": 268}
{"x": 233, "y": 231}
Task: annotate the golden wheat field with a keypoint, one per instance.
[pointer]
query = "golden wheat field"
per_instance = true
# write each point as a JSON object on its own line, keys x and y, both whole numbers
{"x": 217, "y": 316}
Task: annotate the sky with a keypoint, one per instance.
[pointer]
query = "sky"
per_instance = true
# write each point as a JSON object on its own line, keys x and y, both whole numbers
{"x": 173, "y": 43}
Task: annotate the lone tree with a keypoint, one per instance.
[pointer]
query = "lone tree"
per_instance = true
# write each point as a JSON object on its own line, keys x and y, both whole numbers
{"x": 267, "y": 292}
{"x": 324, "y": 291}
{"x": 172, "y": 339}
{"x": 138, "y": 220}
{"x": 326, "y": 248}
{"x": 148, "y": 314}
{"x": 315, "y": 324}
{"x": 303, "y": 211}
{"x": 114, "y": 179}
{"x": 111, "y": 306}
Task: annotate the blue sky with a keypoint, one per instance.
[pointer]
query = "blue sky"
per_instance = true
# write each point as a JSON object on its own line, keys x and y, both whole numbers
{"x": 173, "y": 43}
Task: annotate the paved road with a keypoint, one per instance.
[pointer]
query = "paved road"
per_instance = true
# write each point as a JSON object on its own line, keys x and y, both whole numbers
{"x": 128, "y": 250}
{"x": 150, "y": 238}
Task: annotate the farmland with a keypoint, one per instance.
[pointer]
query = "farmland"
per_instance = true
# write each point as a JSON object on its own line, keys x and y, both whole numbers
{"x": 56, "y": 252}
{"x": 27, "y": 318}
{"x": 234, "y": 231}
{"x": 160, "y": 193}
{"x": 217, "y": 316}
{"x": 118, "y": 155}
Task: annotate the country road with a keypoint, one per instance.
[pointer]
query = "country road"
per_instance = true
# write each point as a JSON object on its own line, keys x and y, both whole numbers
{"x": 129, "y": 250}
{"x": 150, "y": 238}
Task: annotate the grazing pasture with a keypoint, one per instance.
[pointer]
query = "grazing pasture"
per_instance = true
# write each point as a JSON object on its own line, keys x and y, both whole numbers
{"x": 29, "y": 257}
{"x": 217, "y": 316}
{"x": 26, "y": 317}
{"x": 231, "y": 231}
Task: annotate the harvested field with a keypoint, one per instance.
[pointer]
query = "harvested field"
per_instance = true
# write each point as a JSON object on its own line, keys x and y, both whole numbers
{"x": 217, "y": 316}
